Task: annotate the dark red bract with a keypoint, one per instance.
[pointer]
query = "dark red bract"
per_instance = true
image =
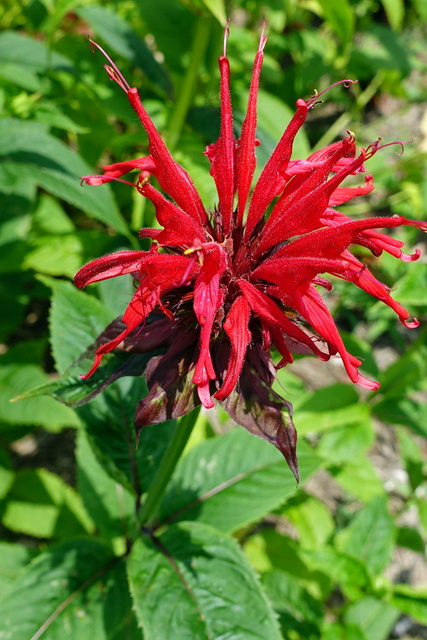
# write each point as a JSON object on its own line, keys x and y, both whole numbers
{"x": 219, "y": 288}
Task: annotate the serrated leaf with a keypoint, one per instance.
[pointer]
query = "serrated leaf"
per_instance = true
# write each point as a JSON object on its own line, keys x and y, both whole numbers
{"x": 75, "y": 590}
{"x": 195, "y": 582}
{"x": 370, "y": 536}
{"x": 359, "y": 477}
{"x": 232, "y": 480}
{"x": 311, "y": 518}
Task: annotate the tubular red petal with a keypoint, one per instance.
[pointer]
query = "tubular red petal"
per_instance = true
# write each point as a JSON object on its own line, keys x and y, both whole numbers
{"x": 236, "y": 327}
{"x": 115, "y": 264}
{"x": 266, "y": 187}
{"x": 246, "y": 158}
{"x": 171, "y": 176}
{"x": 179, "y": 228}
{"x": 222, "y": 153}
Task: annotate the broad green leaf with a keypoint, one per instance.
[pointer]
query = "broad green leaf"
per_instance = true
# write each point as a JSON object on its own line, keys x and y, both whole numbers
{"x": 403, "y": 411}
{"x": 111, "y": 506}
{"x": 298, "y": 611}
{"x": 340, "y": 16}
{"x": 370, "y": 536}
{"x": 410, "y": 601}
{"x": 40, "y": 504}
{"x": 311, "y": 519}
{"x": 13, "y": 557}
{"x": 341, "y": 631}
{"x": 30, "y": 53}
{"x": 18, "y": 378}
{"x": 75, "y": 590}
{"x": 194, "y": 582}
{"x": 121, "y": 37}
{"x": 57, "y": 169}
{"x": 375, "y": 617}
{"x": 232, "y": 480}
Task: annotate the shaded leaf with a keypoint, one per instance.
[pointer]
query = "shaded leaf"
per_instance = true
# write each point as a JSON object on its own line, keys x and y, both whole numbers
{"x": 207, "y": 574}
{"x": 232, "y": 480}
{"x": 76, "y": 590}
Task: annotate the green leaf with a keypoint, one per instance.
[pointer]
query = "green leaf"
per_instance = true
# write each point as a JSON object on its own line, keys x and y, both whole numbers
{"x": 7, "y": 474}
{"x": 40, "y": 504}
{"x": 335, "y": 406}
{"x": 75, "y": 590}
{"x": 359, "y": 477}
{"x": 374, "y": 617}
{"x": 370, "y": 536}
{"x": 45, "y": 412}
{"x": 13, "y": 557}
{"x": 30, "y": 53}
{"x": 343, "y": 569}
{"x": 412, "y": 602}
{"x": 214, "y": 483}
{"x": 111, "y": 506}
{"x": 57, "y": 169}
{"x": 120, "y": 37}
{"x": 298, "y": 611}
{"x": 109, "y": 423}
{"x": 194, "y": 582}
{"x": 76, "y": 320}
{"x": 340, "y": 16}
{"x": 344, "y": 443}
{"x": 395, "y": 11}
{"x": 311, "y": 519}
{"x": 217, "y": 9}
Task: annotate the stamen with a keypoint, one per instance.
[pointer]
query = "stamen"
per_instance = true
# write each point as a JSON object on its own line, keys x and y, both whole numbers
{"x": 314, "y": 98}
{"x": 113, "y": 71}
{"x": 97, "y": 180}
{"x": 226, "y": 36}
{"x": 376, "y": 146}
{"x": 263, "y": 37}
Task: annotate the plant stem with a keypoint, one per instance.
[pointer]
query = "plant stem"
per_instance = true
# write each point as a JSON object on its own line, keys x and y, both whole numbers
{"x": 186, "y": 93}
{"x": 167, "y": 465}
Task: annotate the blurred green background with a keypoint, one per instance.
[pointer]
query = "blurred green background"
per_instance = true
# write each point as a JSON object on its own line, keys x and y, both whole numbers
{"x": 342, "y": 556}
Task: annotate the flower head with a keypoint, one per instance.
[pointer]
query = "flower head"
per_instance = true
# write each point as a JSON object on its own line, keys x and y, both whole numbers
{"x": 220, "y": 288}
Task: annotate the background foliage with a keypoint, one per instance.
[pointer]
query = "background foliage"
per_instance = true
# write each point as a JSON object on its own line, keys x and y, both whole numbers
{"x": 239, "y": 551}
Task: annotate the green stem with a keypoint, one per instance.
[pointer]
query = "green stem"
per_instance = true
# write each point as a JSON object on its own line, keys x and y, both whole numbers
{"x": 167, "y": 465}
{"x": 186, "y": 93}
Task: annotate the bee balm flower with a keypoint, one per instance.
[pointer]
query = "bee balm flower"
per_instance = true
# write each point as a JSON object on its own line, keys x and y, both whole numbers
{"x": 220, "y": 288}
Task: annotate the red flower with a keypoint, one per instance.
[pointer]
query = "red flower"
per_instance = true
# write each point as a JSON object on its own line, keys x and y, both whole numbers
{"x": 219, "y": 288}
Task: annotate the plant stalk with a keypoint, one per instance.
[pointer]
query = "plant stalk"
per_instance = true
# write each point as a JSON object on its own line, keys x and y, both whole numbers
{"x": 167, "y": 465}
